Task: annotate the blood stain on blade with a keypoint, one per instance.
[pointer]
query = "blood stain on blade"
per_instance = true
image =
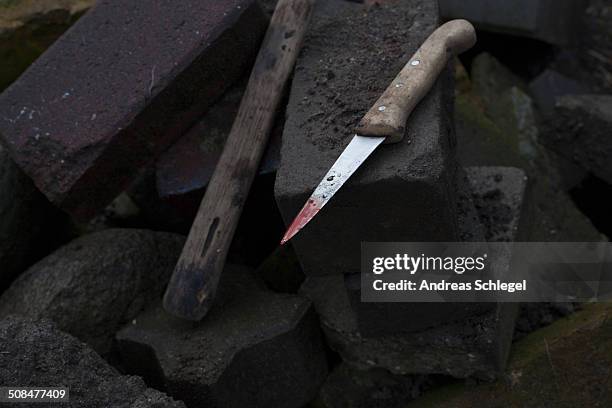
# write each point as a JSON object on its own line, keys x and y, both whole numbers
{"x": 310, "y": 209}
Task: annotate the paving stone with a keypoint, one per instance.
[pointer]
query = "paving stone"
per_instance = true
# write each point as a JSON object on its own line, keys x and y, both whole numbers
{"x": 550, "y": 85}
{"x": 97, "y": 283}
{"x": 28, "y": 222}
{"x": 351, "y": 54}
{"x": 255, "y": 348}
{"x": 499, "y": 202}
{"x": 506, "y": 102}
{"x": 490, "y": 117}
{"x": 580, "y": 130}
{"x": 501, "y": 198}
{"x": 351, "y": 388}
{"x": 553, "y": 21}
{"x": 36, "y": 354}
{"x": 474, "y": 342}
{"x": 564, "y": 365}
{"x": 476, "y": 346}
{"x": 589, "y": 59}
{"x": 118, "y": 88}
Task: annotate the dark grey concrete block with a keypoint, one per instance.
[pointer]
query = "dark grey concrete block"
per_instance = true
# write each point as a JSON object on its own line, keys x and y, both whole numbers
{"x": 495, "y": 203}
{"x": 580, "y": 129}
{"x": 477, "y": 346}
{"x": 348, "y": 387}
{"x": 473, "y": 341}
{"x": 550, "y": 85}
{"x": 501, "y": 197}
{"x": 37, "y": 354}
{"x": 404, "y": 191}
{"x": 91, "y": 287}
{"x": 553, "y": 21}
{"x": 255, "y": 348}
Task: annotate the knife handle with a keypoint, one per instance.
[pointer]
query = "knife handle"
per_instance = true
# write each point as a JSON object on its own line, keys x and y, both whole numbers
{"x": 389, "y": 114}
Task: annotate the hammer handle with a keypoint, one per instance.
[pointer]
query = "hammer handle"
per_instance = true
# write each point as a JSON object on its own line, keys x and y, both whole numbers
{"x": 389, "y": 114}
{"x": 192, "y": 287}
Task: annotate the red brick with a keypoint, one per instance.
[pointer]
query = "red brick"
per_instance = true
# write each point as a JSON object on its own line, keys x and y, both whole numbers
{"x": 118, "y": 88}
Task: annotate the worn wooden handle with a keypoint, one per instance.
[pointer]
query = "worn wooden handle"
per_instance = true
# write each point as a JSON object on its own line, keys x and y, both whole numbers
{"x": 389, "y": 114}
{"x": 192, "y": 287}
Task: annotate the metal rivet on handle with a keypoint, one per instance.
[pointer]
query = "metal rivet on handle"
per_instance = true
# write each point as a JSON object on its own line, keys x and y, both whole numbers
{"x": 415, "y": 63}
{"x": 382, "y": 108}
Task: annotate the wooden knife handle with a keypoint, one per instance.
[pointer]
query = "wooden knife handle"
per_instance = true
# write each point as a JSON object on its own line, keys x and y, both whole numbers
{"x": 389, "y": 114}
{"x": 193, "y": 285}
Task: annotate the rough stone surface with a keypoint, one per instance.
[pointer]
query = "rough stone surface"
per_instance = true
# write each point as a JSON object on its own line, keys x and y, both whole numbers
{"x": 496, "y": 124}
{"x": 500, "y": 212}
{"x": 25, "y": 220}
{"x": 590, "y": 60}
{"x": 550, "y": 85}
{"x": 491, "y": 121}
{"x": 376, "y": 319}
{"x": 351, "y": 54}
{"x": 501, "y": 199}
{"x": 553, "y": 21}
{"x": 351, "y": 388}
{"x": 564, "y": 365}
{"x": 481, "y": 141}
{"x": 255, "y": 348}
{"x": 95, "y": 284}
{"x": 477, "y": 344}
{"x": 580, "y": 130}
{"x": 35, "y": 353}
{"x": 156, "y": 67}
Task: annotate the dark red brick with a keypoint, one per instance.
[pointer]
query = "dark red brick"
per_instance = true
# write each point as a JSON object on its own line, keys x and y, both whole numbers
{"x": 118, "y": 88}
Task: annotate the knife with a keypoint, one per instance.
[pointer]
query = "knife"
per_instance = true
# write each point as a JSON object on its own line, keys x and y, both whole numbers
{"x": 386, "y": 120}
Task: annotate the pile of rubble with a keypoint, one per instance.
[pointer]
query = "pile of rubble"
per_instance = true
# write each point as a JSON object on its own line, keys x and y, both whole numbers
{"x": 134, "y": 103}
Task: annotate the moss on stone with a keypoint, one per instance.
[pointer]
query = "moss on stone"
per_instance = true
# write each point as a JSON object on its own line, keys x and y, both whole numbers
{"x": 566, "y": 364}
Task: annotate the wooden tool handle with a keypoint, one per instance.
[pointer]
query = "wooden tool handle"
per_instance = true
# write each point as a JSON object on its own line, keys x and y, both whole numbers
{"x": 389, "y": 114}
{"x": 194, "y": 282}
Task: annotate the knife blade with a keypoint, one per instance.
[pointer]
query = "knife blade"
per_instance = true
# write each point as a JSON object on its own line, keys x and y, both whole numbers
{"x": 385, "y": 122}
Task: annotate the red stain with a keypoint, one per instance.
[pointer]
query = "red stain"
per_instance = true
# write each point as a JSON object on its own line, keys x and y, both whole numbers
{"x": 310, "y": 209}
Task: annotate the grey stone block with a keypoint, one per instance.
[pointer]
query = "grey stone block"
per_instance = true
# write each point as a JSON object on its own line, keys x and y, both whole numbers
{"x": 347, "y": 387}
{"x": 255, "y": 348}
{"x": 495, "y": 136}
{"x": 580, "y": 129}
{"x": 502, "y": 201}
{"x": 553, "y": 21}
{"x": 37, "y": 354}
{"x": 550, "y": 85}
{"x": 94, "y": 285}
{"x": 404, "y": 191}
{"x": 473, "y": 342}
{"x": 495, "y": 205}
